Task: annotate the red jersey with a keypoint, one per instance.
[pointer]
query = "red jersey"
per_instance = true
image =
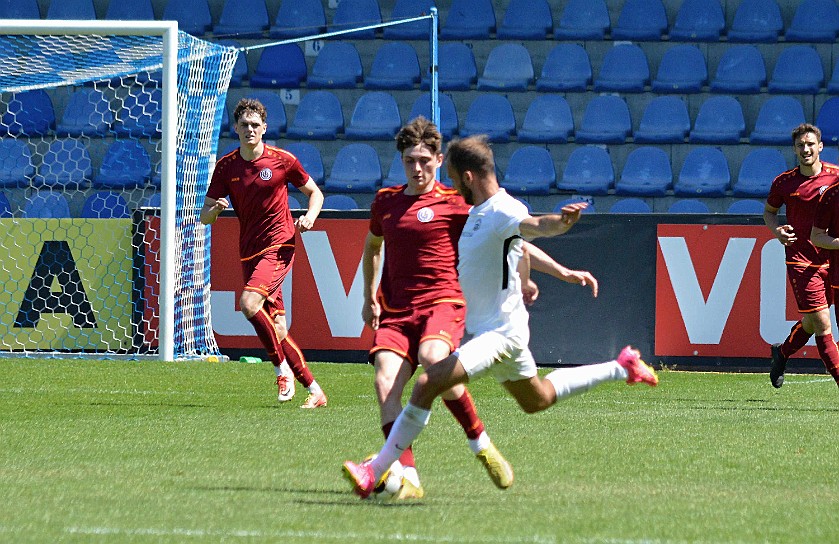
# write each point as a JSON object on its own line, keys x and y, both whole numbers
{"x": 827, "y": 219}
{"x": 259, "y": 194}
{"x": 801, "y": 195}
{"x": 420, "y": 236}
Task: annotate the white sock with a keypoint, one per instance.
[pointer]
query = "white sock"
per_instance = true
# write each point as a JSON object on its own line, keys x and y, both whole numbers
{"x": 480, "y": 443}
{"x": 314, "y": 388}
{"x": 570, "y": 381}
{"x": 410, "y": 423}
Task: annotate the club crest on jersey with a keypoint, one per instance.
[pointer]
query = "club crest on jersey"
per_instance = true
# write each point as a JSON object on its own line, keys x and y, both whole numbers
{"x": 265, "y": 174}
{"x": 425, "y": 215}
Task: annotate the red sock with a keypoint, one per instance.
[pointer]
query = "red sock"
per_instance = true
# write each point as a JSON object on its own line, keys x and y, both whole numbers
{"x": 796, "y": 340}
{"x": 464, "y": 411}
{"x": 830, "y": 354}
{"x": 296, "y": 361}
{"x": 407, "y": 457}
{"x": 264, "y": 327}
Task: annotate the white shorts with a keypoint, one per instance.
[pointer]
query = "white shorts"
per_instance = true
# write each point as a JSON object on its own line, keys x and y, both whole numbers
{"x": 507, "y": 357}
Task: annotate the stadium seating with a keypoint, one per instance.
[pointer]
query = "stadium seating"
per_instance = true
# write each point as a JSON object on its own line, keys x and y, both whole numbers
{"x": 757, "y": 170}
{"x": 193, "y": 16}
{"x": 640, "y": 20}
{"x": 830, "y": 154}
{"x": 605, "y": 120}
{"x": 46, "y": 205}
{"x": 747, "y": 206}
{"x": 126, "y": 165}
{"x": 319, "y": 117}
{"x": 276, "y": 120}
{"x": 87, "y": 113}
{"x": 833, "y": 84}
{"x": 297, "y": 18}
{"x": 396, "y": 173}
{"x": 665, "y": 121}
{"x": 698, "y": 21}
{"x": 448, "y": 114}
{"x": 309, "y": 156}
{"x": 508, "y": 68}
{"x": 20, "y": 9}
{"x": 583, "y": 20}
{"x": 741, "y": 70}
{"x": 242, "y": 19}
{"x": 395, "y": 66}
{"x": 375, "y": 117}
{"x": 356, "y": 169}
{"x": 814, "y": 21}
{"x": 5, "y": 207}
{"x": 566, "y": 68}
{"x": 105, "y": 205}
{"x": 776, "y": 119}
{"x": 469, "y": 20}
{"x": 827, "y": 120}
{"x": 548, "y": 119}
{"x": 688, "y": 205}
{"x": 356, "y": 13}
{"x": 16, "y": 166}
{"x": 151, "y": 201}
{"x": 646, "y": 172}
{"x": 293, "y": 203}
{"x": 29, "y": 113}
{"x": 756, "y": 21}
{"x": 406, "y": 9}
{"x": 630, "y": 205}
{"x": 526, "y": 20}
{"x": 682, "y": 70}
{"x": 624, "y": 69}
{"x": 490, "y": 114}
{"x": 337, "y": 66}
{"x": 339, "y": 202}
{"x": 66, "y": 165}
{"x": 797, "y": 70}
{"x": 573, "y": 200}
{"x": 719, "y": 121}
{"x": 588, "y": 171}
{"x": 280, "y": 66}
{"x": 71, "y": 9}
{"x": 459, "y": 72}
{"x": 140, "y": 114}
{"x": 530, "y": 171}
{"x": 704, "y": 173}
{"x": 136, "y": 10}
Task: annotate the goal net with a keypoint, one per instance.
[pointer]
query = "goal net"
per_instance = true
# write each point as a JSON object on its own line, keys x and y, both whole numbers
{"x": 108, "y": 134}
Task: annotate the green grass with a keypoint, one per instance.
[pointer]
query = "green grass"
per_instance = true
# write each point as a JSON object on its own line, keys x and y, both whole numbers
{"x": 202, "y": 452}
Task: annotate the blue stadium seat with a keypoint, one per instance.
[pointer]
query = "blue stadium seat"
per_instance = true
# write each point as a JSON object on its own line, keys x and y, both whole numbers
{"x": 319, "y": 117}
{"x": 646, "y": 172}
{"x": 490, "y": 114}
{"x": 776, "y": 119}
{"x": 20, "y": 9}
{"x": 566, "y": 68}
{"x": 297, "y": 18}
{"x": 5, "y": 207}
{"x": 640, "y": 20}
{"x": 573, "y": 200}
{"x": 797, "y": 70}
{"x": 688, "y": 205}
{"x": 814, "y": 21}
{"x": 280, "y": 66}
{"x": 375, "y": 117}
{"x": 193, "y": 16}
{"x": 88, "y": 112}
{"x": 71, "y": 9}
{"x": 126, "y": 165}
{"x": 151, "y": 201}
{"x": 747, "y": 206}
{"x": 395, "y": 66}
{"x": 469, "y": 20}
{"x": 508, "y": 68}
{"x": 756, "y": 21}
{"x": 548, "y": 120}
{"x": 526, "y": 20}
{"x": 309, "y": 156}
{"x": 337, "y": 66}
{"x": 105, "y": 205}
{"x": 140, "y": 114}
{"x": 29, "y": 113}
{"x": 588, "y": 171}
{"x": 583, "y": 20}
{"x": 356, "y": 169}
{"x": 682, "y": 70}
{"x": 339, "y": 202}
{"x": 606, "y": 120}
{"x": 407, "y": 9}
{"x": 624, "y": 69}
{"x": 698, "y": 21}
{"x": 665, "y": 121}
{"x": 827, "y": 119}
{"x": 830, "y": 154}
{"x": 139, "y": 10}
{"x": 396, "y": 173}
{"x": 741, "y": 70}
{"x": 242, "y": 19}
{"x": 46, "y": 205}
{"x": 757, "y": 170}
{"x": 293, "y": 203}
{"x": 630, "y": 205}
{"x": 448, "y": 114}
{"x": 833, "y": 84}
{"x": 16, "y": 166}
{"x": 530, "y": 171}
{"x": 719, "y": 121}
{"x": 704, "y": 173}
{"x": 276, "y": 120}
{"x": 356, "y": 13}
{"x": 66, "y": 164}
{"x": 459, "y": 72}
{"x": 240, "y": 69}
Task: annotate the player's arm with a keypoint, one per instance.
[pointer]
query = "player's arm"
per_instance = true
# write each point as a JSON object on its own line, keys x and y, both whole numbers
{"x": 529, "y": 289}
{"x": 371, "y": 264}
{"x": 212, "y": 209}
{"x": 552, "y": 224}
{"x": 307, "y": 221}
{"x": 821, "y": 238}
{"x": 542, "y": 262}
{"x": 784, "y": 233}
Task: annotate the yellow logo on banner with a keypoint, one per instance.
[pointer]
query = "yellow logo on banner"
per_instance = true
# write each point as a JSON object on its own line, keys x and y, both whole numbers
{"x": 66, "y": 284}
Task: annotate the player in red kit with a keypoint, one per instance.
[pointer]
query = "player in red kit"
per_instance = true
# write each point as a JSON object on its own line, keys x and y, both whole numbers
{"x": 256, "y": 178}
{"x": 799, "y": 189}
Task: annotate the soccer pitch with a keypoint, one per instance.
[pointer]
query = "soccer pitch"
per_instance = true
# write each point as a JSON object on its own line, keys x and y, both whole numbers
{"x": 202, "y": 452}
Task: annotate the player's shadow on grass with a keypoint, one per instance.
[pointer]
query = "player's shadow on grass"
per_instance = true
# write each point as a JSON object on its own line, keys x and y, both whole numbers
{"x": 752, "y": 405}
{"x": 162, "y": 404}
{"x": 346, "y": 498}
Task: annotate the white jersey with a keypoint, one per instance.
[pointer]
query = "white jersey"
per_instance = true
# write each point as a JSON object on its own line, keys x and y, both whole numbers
{"x": 490, "y": 249}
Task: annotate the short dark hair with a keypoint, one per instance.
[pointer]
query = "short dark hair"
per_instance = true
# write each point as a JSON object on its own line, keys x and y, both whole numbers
{"x": 803, "y": 129}
{"x": 249, "y": 105}
{"x": 472, "y": 153}
{"x": 419, "y": 131}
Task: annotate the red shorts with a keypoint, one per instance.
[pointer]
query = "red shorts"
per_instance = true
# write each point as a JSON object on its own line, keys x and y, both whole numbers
{"x": 264, "y": 274}
{"x": 402, "y": 331}
{"x": 809, "y": 286}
